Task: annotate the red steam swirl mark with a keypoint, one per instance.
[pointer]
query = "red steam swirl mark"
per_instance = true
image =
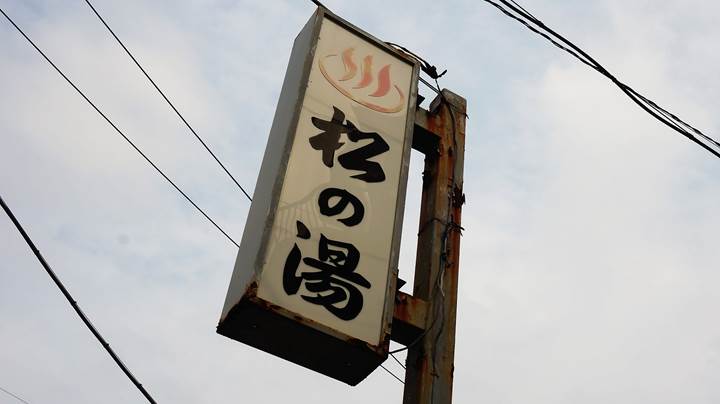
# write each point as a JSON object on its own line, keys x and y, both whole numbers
{"x": 350, "y": 66}
{"x": 367, "y": 73}
{"x": 383, "y": 82}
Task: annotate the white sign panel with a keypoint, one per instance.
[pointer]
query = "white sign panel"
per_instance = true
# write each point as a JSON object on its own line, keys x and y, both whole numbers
{"x": 329, "y": 252}
{"x": 315, "y": 273}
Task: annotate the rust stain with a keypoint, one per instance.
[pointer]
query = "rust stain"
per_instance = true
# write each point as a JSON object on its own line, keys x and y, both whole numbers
{"x": 410, "y": 310}
{"x": 405, "y": 308}
{"x": 252, "y": 290}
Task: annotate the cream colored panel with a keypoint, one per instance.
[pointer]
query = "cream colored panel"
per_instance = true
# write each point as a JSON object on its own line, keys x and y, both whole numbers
{"x": 370, "y": 87}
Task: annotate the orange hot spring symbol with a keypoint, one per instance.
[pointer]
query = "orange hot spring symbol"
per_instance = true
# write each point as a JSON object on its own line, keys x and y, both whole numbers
{"x": 380, "y": 97}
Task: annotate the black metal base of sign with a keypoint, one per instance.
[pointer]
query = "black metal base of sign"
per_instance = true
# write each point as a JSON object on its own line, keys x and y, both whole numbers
{"x": 256, "y": 323}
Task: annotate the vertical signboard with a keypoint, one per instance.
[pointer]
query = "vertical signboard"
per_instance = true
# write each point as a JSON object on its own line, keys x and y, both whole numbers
{"x": 314, "y": 280}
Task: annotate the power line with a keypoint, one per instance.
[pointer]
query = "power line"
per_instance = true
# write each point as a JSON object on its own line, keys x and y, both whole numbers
{"x": 117, "y": 129}
{"x": 182, "y": 118}
{"x": 13, "y": 395}
{"x": 523, "y": 9}
{"x": 392, "y": 374}
{"x": 74, "y": 305}
{"x": 397, "y": 360}
{"x": 319, "y": 4}
{"x": 672, "y": 121}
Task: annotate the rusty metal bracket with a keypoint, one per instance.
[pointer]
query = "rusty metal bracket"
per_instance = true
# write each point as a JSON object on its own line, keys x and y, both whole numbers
{"x": 409, "y": 318}
{"x": 425, "y": 140}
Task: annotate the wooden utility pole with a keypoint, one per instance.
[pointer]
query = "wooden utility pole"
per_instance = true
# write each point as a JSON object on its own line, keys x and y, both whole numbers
{"x": 425, "y": 321}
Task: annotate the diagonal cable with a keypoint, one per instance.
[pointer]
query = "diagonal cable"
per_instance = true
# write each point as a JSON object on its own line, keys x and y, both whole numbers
{"x": 162, "y": 93}
{"x": 319, "y": 4}
{"x": 13, "y": 395}
{"x": 392, "y": 374}
{"x": 73, "y": 303}
{"x": 643, "y": 102}
{"x": 117, "y": 129}
{"x": 397, "y": 360}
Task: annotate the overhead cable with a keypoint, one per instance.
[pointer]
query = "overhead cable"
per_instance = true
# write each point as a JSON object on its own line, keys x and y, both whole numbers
{"x": 162, "y": 93}
{"x": 74, "y": 304}
{"x": 102, "y": 114}
{"x": 319, "y": 4}
{"x": 518, "y": 13}
{"x": 398, "y": 361}
{"x": 392, "y": 374}
{"x": 13, "y": 395}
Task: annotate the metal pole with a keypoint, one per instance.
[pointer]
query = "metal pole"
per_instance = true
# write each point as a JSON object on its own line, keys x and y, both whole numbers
{"x": 430, "y": 362}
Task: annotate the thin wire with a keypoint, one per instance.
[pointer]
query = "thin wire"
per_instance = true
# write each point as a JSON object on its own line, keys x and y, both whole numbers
{"x": 73, "y": 303}
{"x": 319, "y": 4}
{"x": 398, "y": 361}
{"x": 13, "y": 395}
{"x": 544, "y": 35}
{"x": 409, "y": 52}
{"x": 674, "y": 117}
{"x": 422, "y": 80}
{"x": 418, "y": 339}
{"x": 182, "y": 118}
{"x": 425, "y": 66}
{"x": 523, "y": 9}
{"x": 117, "y": 129}
{"x": 643, "y": 102}
{"x": 392, "y": 374}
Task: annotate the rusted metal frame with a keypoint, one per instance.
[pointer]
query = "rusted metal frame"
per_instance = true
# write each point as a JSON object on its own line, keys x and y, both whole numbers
{"x": 410, "y": 311}
{"x": 409, "y": 318}
{"x": 424, "y": 139}
{"x": 445, "y": 343}
{"x": 429, "y": 375}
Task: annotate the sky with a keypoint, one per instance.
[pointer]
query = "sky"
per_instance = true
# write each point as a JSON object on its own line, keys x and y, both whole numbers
{"x": 589, "y": 261}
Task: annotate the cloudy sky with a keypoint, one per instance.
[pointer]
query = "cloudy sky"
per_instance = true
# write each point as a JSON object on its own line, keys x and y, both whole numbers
{"x": 589, "y": 269}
